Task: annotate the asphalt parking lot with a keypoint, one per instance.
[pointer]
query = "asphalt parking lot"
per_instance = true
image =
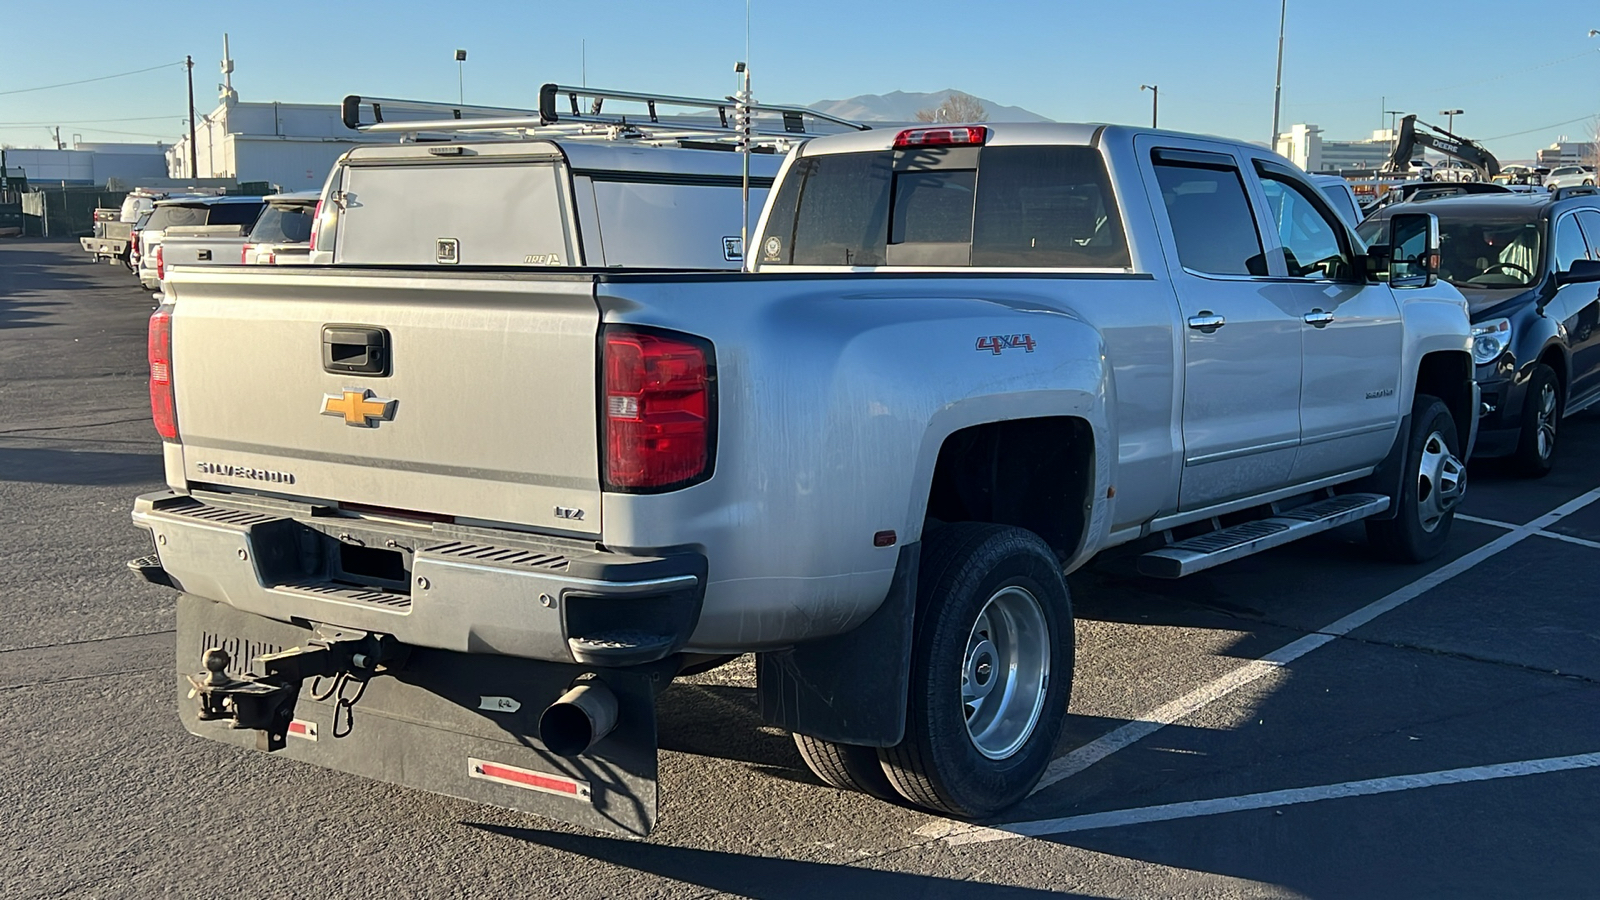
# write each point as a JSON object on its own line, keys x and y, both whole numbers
{"x": 1308, "y": 722}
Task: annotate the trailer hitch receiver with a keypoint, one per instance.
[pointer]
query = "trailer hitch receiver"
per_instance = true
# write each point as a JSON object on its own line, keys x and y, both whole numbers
{"x": 265, "y": 703}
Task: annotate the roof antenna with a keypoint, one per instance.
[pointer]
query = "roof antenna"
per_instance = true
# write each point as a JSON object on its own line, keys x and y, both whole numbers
{"x": 742, "y": 118}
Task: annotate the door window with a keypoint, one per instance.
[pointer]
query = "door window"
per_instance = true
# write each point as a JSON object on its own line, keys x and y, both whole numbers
{"x": 1312, "y": 246}
{"x": 1569, "y": 245}
{"x": 1590, "y": 220}
{"x": 1212, "y": 223}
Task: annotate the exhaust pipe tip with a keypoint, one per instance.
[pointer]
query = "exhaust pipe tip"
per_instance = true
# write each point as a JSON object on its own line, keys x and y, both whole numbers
{"x": 580, "y": 719}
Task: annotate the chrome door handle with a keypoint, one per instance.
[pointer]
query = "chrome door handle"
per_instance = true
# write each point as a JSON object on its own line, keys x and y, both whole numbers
{"x": 1207, "y": 321}
{"x": 1318, "y": 319}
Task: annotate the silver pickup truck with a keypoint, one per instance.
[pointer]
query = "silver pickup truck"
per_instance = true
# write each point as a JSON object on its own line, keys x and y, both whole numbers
{"x": 455, "y": 528}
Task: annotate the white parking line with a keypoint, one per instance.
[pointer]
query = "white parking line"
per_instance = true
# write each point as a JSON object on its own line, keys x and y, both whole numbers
{"x": 1162, "y": 716}
{"x": 1569, "y": 539}
{"x": 1166, "y": 812}
{"x": 1478, "y": 521}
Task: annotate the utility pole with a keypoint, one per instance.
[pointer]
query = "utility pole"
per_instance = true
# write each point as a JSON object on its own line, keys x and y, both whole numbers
{"x": 59, "y": 145}
{"x": 1155, "y": 103}
{"x": 194, "y": 166}
{"x": 1277, "y": 90}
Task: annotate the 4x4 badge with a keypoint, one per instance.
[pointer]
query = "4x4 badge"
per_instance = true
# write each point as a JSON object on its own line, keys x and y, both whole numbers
{"x": 359, "y": 408}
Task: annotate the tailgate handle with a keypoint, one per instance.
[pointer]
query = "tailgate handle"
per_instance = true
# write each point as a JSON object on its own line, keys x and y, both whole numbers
{"x": 355, "y": 350}
{"x": 205, "y": 255}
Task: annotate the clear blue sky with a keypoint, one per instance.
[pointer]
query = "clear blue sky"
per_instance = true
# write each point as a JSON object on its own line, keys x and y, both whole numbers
{"x": 1073, "y": 61}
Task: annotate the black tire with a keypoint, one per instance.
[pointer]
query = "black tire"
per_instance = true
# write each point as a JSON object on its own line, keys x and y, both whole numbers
{"x": 938, "y": 765}
{"x": 848, "y": 767}
{"x": 1541, "y": 416}
{"x": 1414, "y": 536}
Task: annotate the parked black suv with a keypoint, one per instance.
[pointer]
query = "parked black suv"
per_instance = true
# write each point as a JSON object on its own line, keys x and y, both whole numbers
{"x": 1528, "y": 265}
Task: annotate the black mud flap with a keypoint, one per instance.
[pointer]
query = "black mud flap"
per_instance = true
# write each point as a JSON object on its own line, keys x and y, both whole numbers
{"x": 460, "y": 724}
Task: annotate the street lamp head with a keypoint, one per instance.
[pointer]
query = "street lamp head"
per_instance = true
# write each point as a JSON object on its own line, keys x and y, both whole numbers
{"x": 461, "y": 56}
{"x": 1147, "y": 87}
{"x": 1593, "y": 32}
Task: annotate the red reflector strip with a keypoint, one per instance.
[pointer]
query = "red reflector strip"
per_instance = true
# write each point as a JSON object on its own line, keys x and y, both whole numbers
{"x": 300, "y": 728}
{"x": 527, "y": 778}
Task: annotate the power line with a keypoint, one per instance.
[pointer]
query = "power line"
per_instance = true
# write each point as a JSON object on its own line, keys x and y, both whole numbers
{"x": 86, "y": 121}
{"x": 1532, "y": 130}
{"x": 47, "y": 87}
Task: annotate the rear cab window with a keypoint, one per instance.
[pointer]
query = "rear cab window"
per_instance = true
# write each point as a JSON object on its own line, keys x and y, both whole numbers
{"x": 282, "y": 225}
{"x": 1047, "y": 206}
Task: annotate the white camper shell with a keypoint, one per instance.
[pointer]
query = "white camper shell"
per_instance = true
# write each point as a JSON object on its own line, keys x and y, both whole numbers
{"x": 539, "y": 203}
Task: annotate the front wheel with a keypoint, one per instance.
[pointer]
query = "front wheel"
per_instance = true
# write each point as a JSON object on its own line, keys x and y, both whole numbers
{"x": 991, "y": 671}
{"x": 1541, "y": 414}
{"x": 1435, "y": 480}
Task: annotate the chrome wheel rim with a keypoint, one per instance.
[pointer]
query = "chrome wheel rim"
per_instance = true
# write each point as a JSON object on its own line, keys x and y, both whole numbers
{"x": 1005, "y": 672}
{"x": 1545, "y": 421}
{"x": 1441, "y": 480}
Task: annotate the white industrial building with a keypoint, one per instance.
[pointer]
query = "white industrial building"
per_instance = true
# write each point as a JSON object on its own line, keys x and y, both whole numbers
{"x": 88, "y": 163}
{"x": 292, "y": 145}
{"x": 1305, "y": 146}
{"x": 1568, "y": 153}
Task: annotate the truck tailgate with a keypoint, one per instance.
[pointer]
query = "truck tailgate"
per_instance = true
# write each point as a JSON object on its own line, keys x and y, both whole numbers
{"x": 486, "y": 411}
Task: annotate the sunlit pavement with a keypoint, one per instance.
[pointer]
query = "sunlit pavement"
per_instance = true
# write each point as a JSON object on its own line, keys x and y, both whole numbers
{"x": 1309, "y": 722}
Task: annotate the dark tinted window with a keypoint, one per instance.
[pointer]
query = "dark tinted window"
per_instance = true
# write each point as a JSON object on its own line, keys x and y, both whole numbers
{"x": 283, "y": 225}
{"x": 1211, "y": 220}
{"x": 233, "y": 214}
{"x": 1046, "y": 207}
{"x": 831, "y": 211}
{"x": 165, "y": 217}
{"x": 932, "y": 207}
{"x": 1569, "y": 243}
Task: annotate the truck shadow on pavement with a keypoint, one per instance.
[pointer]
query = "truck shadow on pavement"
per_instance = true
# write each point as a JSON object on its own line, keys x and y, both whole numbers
{"x": 762, "y": 878}
{"x": 79, "y": 467}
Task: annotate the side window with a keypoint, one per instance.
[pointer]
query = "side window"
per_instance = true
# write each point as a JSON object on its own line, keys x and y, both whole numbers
{"x": 1590, "y": 220}
{"x": 1569, "y": 245}
{"x": 1310, "y": 234}
{"x": 1210, "y": 216}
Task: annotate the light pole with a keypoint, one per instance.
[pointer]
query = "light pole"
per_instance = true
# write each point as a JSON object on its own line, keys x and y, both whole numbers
{"x": 1451, "y": 113}
{"x": 1277, "y": 90}
{"x": 461, "y": 77}
{"x": 1155, "y": 103}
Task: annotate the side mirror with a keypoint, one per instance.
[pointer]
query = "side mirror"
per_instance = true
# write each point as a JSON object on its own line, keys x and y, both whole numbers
{"x": 1583, "y": 271}
{"x": 1413, "y": 250}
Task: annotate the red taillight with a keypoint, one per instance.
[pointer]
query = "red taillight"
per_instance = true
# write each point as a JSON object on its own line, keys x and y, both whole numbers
{"x": 244, "y": 254}
{"x": 133, "y": 242}
{"x": 161, "y": 266}
{"x": 316, "y": 224}
{"x": 163, "y": 409}
{"x": 959, "y": 135}
{"x": 659, "y": 415}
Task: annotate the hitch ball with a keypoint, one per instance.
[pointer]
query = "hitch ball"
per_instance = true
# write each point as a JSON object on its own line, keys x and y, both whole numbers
{"x": 215, "y": 660}
{"x": 577, "y": 721}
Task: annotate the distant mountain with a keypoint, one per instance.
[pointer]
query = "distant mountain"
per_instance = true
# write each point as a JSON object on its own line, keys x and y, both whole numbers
{"x": 902, "y": 106}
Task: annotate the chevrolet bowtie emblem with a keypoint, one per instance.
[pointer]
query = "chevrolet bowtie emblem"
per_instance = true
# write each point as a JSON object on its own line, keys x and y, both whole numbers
{"x": 359, "y": 408}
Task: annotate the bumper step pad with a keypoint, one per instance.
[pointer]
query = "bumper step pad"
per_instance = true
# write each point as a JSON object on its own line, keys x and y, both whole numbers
{"x": 1199, "y": 553}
